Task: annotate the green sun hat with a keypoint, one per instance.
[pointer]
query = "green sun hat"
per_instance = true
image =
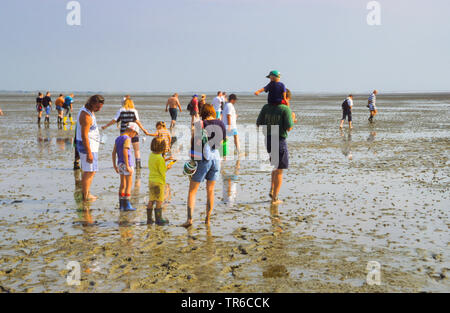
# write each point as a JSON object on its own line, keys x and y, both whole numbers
{"x": 274, "y": 73}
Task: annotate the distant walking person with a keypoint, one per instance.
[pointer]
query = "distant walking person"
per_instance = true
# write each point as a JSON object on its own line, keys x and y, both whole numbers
{"x": 229, "y": 119}
{"x": 68, "y": 107}
{"x": 372, "y": 105}
{"x": 59, "y": 103}
{"x": 347, "y": 111}
{"x": 39, "y": 107}
{"x": 47, "y": 105}
{"x": 125, "y": 115}
{"x": 217, "y": 104}
{"x": 88, "y": 141}
{"x": 1, "y": 112}
{"x": 201, "y": 102}
{"x": 193, "y": 108}
{"x": 173, "y": 105}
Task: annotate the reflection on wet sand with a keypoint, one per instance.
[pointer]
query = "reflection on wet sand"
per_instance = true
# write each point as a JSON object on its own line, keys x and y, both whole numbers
{"x": 346, "y": 147}
{"x": 230, "y": 182}
{"x": 83, "y": 208}
{"x": 371, "y": 140}
{"x": 63, "y": 141}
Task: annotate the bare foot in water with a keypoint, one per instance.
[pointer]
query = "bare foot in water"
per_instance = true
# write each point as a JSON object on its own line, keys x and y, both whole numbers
{"x": 90, "y": 198}
{"x": 187, "y": 224}
{"x": 276, "y": 201}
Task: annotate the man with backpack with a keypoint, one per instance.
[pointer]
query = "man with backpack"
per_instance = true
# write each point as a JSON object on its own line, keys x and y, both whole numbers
{"x": 192, "y": 107}
{"x": 347, "y": 111}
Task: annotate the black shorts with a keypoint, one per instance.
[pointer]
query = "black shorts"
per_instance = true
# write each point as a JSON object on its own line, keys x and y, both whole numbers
{"x": 346, "y": 113}
{"x": 173, "y": 113}
{"x": 135, "y": 139}
{"x": 279, "y": 160}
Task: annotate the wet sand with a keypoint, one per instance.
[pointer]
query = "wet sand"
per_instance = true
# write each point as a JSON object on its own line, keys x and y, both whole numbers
{"x": 377, "y": 193}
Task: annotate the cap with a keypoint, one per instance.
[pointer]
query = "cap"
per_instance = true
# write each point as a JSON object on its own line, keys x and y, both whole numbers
{"x": 133, "y": 126}
{"x": 274, "y": 73}
{"x": 194, "y": 96}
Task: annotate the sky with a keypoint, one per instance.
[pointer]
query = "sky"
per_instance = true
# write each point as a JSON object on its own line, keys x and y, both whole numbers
{"x": 209, "y": 45}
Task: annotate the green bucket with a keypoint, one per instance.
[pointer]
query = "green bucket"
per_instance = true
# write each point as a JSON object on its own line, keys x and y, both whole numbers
{"x": 224, "y": 148}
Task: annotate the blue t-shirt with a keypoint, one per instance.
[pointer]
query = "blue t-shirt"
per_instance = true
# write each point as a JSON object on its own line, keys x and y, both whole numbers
{"x": 120, "y": 141}
{"x": 68, "y": 101}
{"x": 275, "y": 90}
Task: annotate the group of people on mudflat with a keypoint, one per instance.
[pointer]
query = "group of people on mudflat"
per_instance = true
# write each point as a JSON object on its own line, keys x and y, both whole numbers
{"x": 63, "y": 105}
{"x": 347, "y": 106}
{"x": 209, "y": 129}
{"x": 210, "y": 126}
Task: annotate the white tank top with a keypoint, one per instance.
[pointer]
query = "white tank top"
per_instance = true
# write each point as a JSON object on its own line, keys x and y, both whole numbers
{"x": 93, "y": 135}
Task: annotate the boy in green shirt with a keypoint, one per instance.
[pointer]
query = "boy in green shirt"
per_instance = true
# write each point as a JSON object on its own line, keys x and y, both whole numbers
{"x": 157, "y": 180}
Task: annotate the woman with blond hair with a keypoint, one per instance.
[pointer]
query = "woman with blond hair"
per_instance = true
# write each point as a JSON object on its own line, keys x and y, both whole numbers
{"x": 126, "y": 114}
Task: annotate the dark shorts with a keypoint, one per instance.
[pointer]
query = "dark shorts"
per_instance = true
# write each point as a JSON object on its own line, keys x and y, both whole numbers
{"x": 135, "y": 139}
{"x": 346, "y": 113}
{"x": 279, "y": 160}
{"x": 173, "y": 113}
{"x": 193, "y": 112}
{"x": 39, "y": 108}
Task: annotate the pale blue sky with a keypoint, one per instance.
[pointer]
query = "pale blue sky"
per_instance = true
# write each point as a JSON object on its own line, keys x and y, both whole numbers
{"x": 208, "y": 45}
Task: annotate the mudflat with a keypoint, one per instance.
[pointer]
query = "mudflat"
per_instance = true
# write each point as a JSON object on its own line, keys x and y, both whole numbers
{"x": 377, "y": 193}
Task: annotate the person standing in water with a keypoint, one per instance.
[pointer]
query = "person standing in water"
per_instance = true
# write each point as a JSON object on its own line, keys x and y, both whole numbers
{"x": 47, "y": 104}
{"x": 68, "y": 101}
{"x": 125, "y": 115}
{"x": 124, "y": 165}
{"x": 229, "y": 118}
{"x": 173, "y": 105}
{"x": 207, "y": 156}
{"x": 193, "y": 109}
{"x": 217, "y": 104}
{"x": 278, "y": 120}
{"x": 372, "y": 105}
{"x": 59, "y": 103}
{"x": 347, "y": 111}
{"x": 39, "y": 107}
{"x": 88, "y": 141}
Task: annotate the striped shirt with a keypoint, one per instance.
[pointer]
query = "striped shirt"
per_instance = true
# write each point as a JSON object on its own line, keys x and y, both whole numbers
{"x": 372, "y": 101}
{"x": 126, "y": 116}
{"x": 163, "y": 132}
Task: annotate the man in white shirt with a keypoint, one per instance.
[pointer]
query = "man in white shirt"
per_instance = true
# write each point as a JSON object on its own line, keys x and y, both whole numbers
{"x": 217, "y": 104}
{"x": 229, "y": 119}
{"x": 372, "y": 105}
